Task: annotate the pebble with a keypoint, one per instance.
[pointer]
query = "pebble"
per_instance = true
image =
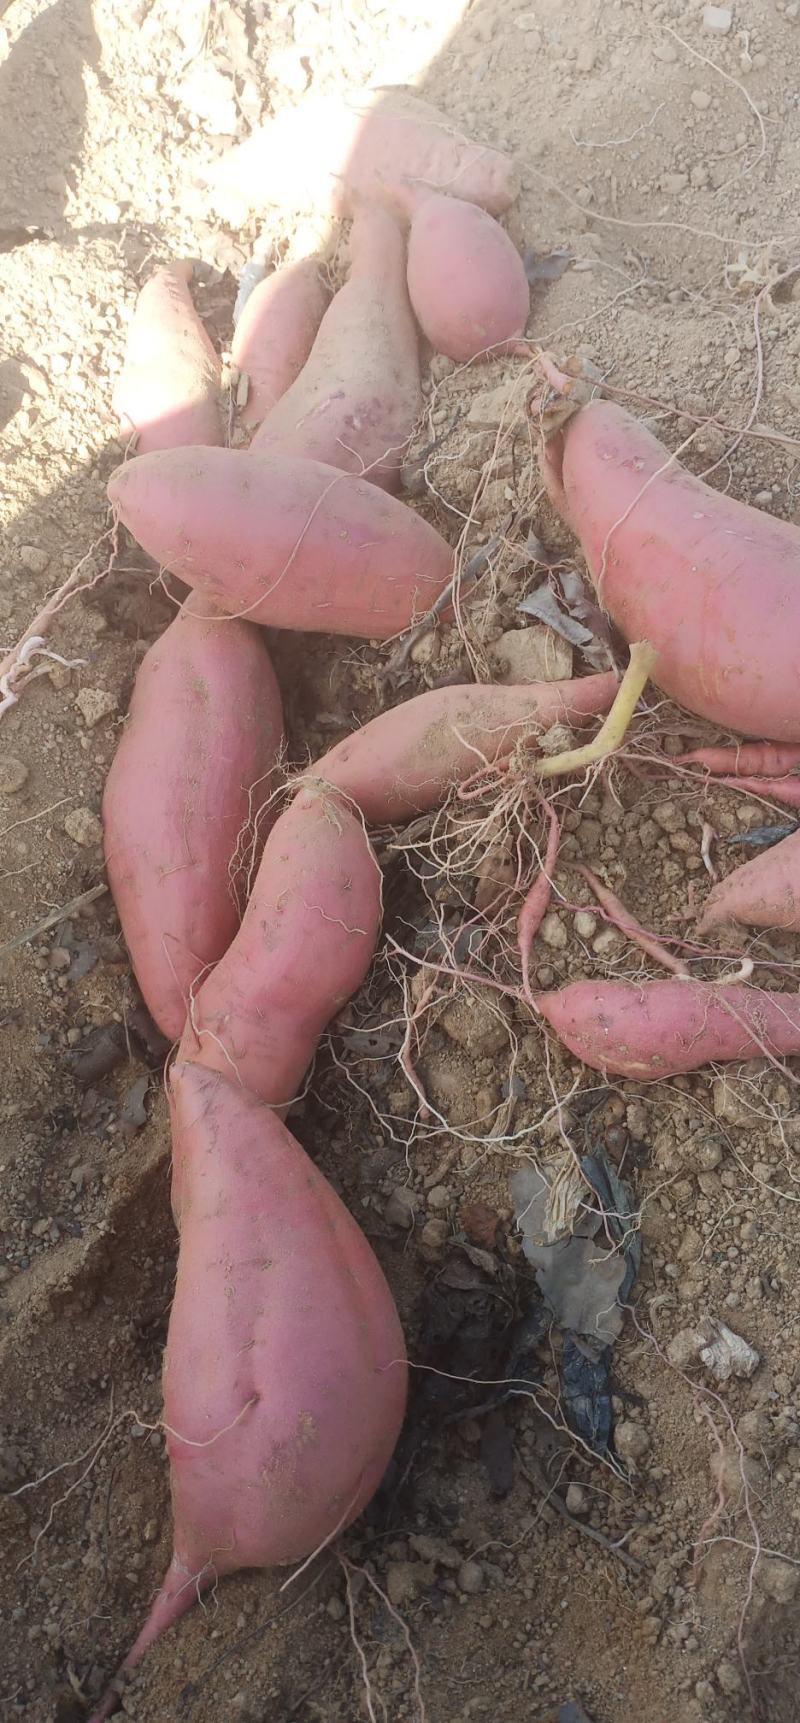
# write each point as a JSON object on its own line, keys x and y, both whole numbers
{"x": 401, "y": 1206}
{"x": 631, "y": 1441}
{"x": 439, "y": 1199}
{"x": 406, "y": 1579}
{"x": 13, "y": 774}
{"x": 675, "y": 182}
{"x": 607, "y": 941}
{"x": 336, "y": 1609}
{"x": 470, "y": 1578}
{"x": 701, "y": 99}
{"x": 587, "y": 55}
{"x": 684, "y": 1348}
{"x": 585, "y": 924}
{"x": 432, "y": 1239}
{"x": 777, "y": 1579}
{"x": 717, "y": 19}
{"x": 83, "y": 827}
{"x": 666, "y": 52}
{"x": 729, "y": 1677}
{"x": 34, "y": 559}
{"x": 533, "y": 654}
{"x": 577, "y": 1501}
{"x": 95, "y": 704}
{"x": 553, "y": 931}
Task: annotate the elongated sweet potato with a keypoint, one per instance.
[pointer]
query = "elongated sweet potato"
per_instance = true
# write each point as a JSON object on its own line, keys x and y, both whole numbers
{"x": 304, "y": 946}
{"x": 405, "y": 761}
{"x": 712, "y": 584}
{"x": 357, "y": 399}
{"x": 168, "y": 392}
{"x": 660, "y": 1028}
{"x": 785, "y": 790}
{"x": 466, "y": 281}
{"x": 191, "y": 771}
{"x": 758, "y": 759}
{"x": 765, "y": 892}
{"x": 291, "y": 543}
{"x": 327, "y": 154}
{"x": 284, "y": 1374}
{"x": 275, "y": 333}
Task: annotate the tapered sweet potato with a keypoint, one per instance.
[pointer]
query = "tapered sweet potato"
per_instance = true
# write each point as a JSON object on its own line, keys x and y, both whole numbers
{"x": 749, "y": 759}
{"x": 357, "y": 399}
{"x": 291, "y": 543}
{"x": 765, "y": 892}
{"x": 191, "y": 771}
{"x": 284, "y": 1374}
{"x": 712, "y": 584}
{"x": 327, "y": 154}
{"x": 405, "y": 761}
{"x": 304, "y": 946}
{"x": 785, "y": 790}
{"x": 275, "y": 333}
{"x": 660, "y": 1028}
{"x": 466, "y": 281}
{"x": 168, "y": 392}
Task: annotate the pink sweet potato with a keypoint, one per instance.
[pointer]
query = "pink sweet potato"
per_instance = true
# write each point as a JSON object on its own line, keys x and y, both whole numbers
{"x": 765, "y": 892}
{"x": 192, "y": 769}
{"x": 660, "y": 1028}
{"x": 749, "y": 758}
{"x": 168, "y": 392}
{"x": 357, "y": 399}
{"x": 304, "y": 946}
{"x": 712, "y": 584}
{"x": 405, "y": 761}
{"x": 785, "y": 790}
{"x": 326, "y": 154}
{"x": 284, "y": 1374}
{"x": 275, "y": 333}
{"x": 291, "y": 543}
{"x": 466, "y": 281}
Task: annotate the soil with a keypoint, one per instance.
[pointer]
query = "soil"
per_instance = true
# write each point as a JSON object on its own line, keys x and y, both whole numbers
{"x": 664, "y": 157}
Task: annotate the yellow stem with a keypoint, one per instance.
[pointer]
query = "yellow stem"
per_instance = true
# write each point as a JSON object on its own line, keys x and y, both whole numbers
{"x": 614, "y": 730}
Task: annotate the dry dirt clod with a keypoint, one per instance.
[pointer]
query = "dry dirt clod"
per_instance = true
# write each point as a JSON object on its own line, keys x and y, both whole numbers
{"x": 470, "y": 1578}
{"x": 631, "y": 1442}
{"x": 83, "y": 827}
{"x": 95, "y": 704}
{"x": 13, "y": 774}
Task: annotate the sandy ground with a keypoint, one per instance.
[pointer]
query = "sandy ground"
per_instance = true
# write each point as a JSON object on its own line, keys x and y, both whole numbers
{"x": 664, "y": 157}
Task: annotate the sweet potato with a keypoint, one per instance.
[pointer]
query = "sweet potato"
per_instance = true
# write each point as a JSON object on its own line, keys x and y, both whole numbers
{"x": 327, "y": 154}
{"x": 713, "y": 584}
{"x": 357, "y": 399}
{"x": 405, "y": 761}
{"x": 657, "y": 1029}
{"x": 304, "y": 946}
{"x": 168, "y": 392}
{"x": 785, "y": 790}
{"x": 759, "y": 759}
{"x": 191, "y": 770}
{"x": 284, "y": 1374}
{"x": 291, "y": 543}
{"x": 765, "y": 892}
{"x": 466, "y": 281}
{"x": 275, "y": 333}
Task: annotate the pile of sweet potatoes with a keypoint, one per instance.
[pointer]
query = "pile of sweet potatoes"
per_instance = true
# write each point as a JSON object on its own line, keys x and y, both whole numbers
{"x": 250, "y": 915}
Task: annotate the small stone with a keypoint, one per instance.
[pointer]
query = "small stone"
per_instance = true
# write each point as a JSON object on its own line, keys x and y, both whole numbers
{"x": 34, "y": 559}
{"x": 675, "y": 182}
{"x": 669, "y": 817}
{"x": 577, "y": 1501}
{"x": 585, "y": 924}
{"x": 684, "y": 1348}
{"x": 607, "y": 942}
{"x": 434, "y": 1550}
{"x": 95, "y": 704}
{"x": 777, "y": 1579}
{"x": 690, "y": 1246}
{"x": 731, "y": 357}
{"x": 59, "y": 958}
{"x": 666, "y": 52}
{"x": 432, "y": 1239}
{"x": 707, "y": 1155}
{"x": 13, "y": 774}
{"x": 557, "y": 740}
{"x": 717, "y": 19}
{"x": 401, "y": 1208}
{"x": 406, "y": 1579}
{"x": 631, "y": 1441}
{"x": 83, "y": 827}
{"x": 336, "y": 1609}
{"x": 535, "y": 654}
{"x": 701, "y": 100}
{"x": 470, "y": 1578}
{"x": 587, "y": 55}
{"x": 553, "y": 931}
{"x": 439, "y": 1199}
{"x": 729, "y": 1101}
{"x": 705, "y": 1692}
{"x": 728, "y": 1676}
{"x": 150, "y": 1531}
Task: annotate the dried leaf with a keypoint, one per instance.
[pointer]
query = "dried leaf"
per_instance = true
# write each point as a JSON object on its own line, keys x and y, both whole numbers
{"x": 548, "y": 267}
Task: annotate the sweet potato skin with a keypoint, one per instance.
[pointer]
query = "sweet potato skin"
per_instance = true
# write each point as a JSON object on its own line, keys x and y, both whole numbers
{"x": 713, "y": 584}
{"x": 405, "y": 761}
{"x": 168, "y": 393}
{"x": 661, "y": 1028}
{"x": 204, "y": 730}
{"x": 372, "y": 143}
{"x": 305, "y": 944}
{"x": 279, "y": 1301}
{"x": 765, "y": 892}
{"x": 466, "y": 281}
{"x": 289, "y": 543}
{"x": 276, "y": 332}
{"x": 357, "y": 399}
